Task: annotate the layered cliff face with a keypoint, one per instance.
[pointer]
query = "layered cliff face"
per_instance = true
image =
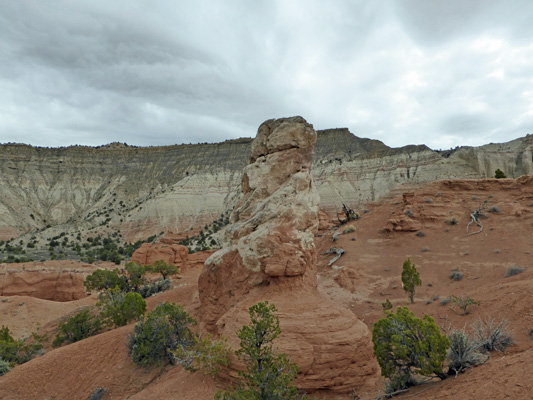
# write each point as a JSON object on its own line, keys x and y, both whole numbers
{"x": 271, "y": 256}
{"x": 142, "y": 191}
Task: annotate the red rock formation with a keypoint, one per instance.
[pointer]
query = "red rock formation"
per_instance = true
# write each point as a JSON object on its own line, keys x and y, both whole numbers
{"x": 271, "y": 256}
{"x": 47, "y": 285}
{"x": 173, "y": 254}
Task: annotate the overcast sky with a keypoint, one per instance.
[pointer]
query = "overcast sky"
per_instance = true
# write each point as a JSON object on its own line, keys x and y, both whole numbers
{"x": 440, "y": 72}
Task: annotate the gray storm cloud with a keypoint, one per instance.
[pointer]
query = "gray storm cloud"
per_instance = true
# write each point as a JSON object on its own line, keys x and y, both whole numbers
{"x": 442, "y": 73}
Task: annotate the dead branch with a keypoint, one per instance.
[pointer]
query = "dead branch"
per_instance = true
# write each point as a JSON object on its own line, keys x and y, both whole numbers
{"x": 338, "y": 253}
{"x": 389, "y": 395}
{"x": 450, "y": 325}
{"x": 474, "y": 216}
{"x": 349, "y": 213}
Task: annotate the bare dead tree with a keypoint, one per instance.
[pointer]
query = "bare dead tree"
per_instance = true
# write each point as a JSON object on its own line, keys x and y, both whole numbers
{"x": 474, "y": 216}
{"x": 338, "y": 253}
{"x": 349, "y": 213}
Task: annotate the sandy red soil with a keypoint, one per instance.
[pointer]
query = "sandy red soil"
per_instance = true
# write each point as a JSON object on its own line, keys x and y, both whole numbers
{"x": 364, "y": 277}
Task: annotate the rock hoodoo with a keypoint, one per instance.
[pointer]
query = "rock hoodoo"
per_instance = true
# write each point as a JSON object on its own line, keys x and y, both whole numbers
{"x": 270, "y": 255}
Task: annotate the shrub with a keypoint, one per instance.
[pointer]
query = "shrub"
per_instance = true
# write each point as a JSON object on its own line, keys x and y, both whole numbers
{"x": 444, "y": 301}
{"x": 154, "y": 287}
{"x": 165, "y": 269}
{"x": 420, "y": 234}
{"x": 119, "y": 308}
{"x": 98, "y": 393}
{"x": 205, "y": 355}
{"x": 494, "y": 210}
{"x": 410, "y": 279}
{"x": 406, "y": 345}
{"x": 451, "y": 221}
{"x": 155, "y": 338}
{"x": 425, "y": 249}
{"x": 464, "y": 353}
{"x": 267, "y": 376}
{"x": 16, "y": 351}
{"x": 514, "y": 270}
{"x": 463, "y": 303}
{"x": 498, "y": 174}
{"x": 103, "y": 279}
{"x": 387, "y": 305}
{"x": 135, "y": 275}
{"x": 456, "y": 275}
{"x": 4, "y": 367}
{"x": 409, "y": 213}
{"x": 491, "y": 336}
{"x": 78, "y": 327}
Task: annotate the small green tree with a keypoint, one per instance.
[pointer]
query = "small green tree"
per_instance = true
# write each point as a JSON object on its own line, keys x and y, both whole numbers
{"x": 405, "y": 345}
{"x": 268, "y": 376}
{"x": 165, "y": 269}
{"x": 135, "y": 275}
{"x": 499, "y": 174}
{"x": 119, "y": 308}
{"x": 103, "y": 279}
{"x": 155, "y": 338}
{"x": 410, "y": 279}
{"x": 462, "y": 303}
{"x": 78, "y": 327}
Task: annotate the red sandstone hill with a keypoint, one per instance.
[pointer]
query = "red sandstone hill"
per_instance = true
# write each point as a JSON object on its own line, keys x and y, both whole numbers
{"x": 366, "y": 275}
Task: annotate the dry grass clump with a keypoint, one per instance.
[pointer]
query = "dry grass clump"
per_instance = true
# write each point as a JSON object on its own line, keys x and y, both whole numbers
{"x": 491, "y": 336}
{"x": 464, "y": 352}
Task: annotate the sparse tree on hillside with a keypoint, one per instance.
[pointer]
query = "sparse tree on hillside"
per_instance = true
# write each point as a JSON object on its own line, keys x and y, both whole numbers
{"x": 499, "y": 174}
{"x": 410, "y": 279}
{"x": 163, "y": 268}
{"x": 267, "y": 376}
{"x": 78, "y": 327}
{"x": 135, "y": 275}
{"x": 405, "y": 345}
{"x": 120, "y": 308}
{"x": 153, "y": 339}
{"x": 103, "y": 279}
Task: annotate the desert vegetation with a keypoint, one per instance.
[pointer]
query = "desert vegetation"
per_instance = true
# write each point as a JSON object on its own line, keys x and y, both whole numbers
{"x": 268, "y": 375}
{"x": 406, "y": 346}
{"x": 13, "y": 351}
{"x": 410, "y": 279}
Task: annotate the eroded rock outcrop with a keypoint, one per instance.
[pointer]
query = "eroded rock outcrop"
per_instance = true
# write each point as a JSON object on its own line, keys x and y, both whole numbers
{"x": 270, "y": 255}
{"x": 148, "y": 254}
{"x": 43, "y": 284}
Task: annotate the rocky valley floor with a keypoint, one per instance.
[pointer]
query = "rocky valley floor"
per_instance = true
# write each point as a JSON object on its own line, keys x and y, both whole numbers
{"x": 426, "y": 224}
